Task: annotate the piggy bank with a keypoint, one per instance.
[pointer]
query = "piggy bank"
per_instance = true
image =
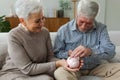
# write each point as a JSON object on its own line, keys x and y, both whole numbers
{"x": 73, "y": 62}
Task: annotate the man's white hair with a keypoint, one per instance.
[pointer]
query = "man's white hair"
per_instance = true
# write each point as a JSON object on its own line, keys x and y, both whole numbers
{"x": 24, "y": 8}
{"x": 87, "y": 8}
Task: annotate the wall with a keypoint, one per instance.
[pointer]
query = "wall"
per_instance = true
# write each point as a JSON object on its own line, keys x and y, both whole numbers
{"x": 109, "y": 14}
{"x": 112, "y": 19}
{"x": 5, "y": 6}
{"x": 50, "y": 7}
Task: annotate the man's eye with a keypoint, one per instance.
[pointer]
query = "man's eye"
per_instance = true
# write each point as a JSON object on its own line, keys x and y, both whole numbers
{"x": 81, "y": 22}
{"x": 37, "y": 21}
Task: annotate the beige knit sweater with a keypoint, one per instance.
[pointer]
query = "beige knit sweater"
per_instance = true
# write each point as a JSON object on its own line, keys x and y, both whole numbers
{"x": 29, "y": 52}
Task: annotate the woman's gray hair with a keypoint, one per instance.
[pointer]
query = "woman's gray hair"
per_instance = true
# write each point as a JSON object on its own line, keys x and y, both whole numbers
{"x": 24, "y": 8}
{"x": 87, "y": 8}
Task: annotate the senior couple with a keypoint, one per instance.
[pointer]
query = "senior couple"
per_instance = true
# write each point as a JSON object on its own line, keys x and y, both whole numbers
{"x": 31, "y": 56}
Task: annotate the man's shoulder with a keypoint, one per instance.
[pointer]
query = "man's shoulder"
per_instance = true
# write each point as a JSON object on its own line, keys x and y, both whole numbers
{"x": 100, "y": 25}
{"x": 66, "y": 27}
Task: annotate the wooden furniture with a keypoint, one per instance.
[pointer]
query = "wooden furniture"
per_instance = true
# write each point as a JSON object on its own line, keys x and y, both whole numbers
{"x": 51, "y": 23}
{"x": 14, "y": 21}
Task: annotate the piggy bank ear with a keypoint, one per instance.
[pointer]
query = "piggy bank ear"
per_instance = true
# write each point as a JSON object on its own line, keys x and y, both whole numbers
{"x": 68, "y": 58}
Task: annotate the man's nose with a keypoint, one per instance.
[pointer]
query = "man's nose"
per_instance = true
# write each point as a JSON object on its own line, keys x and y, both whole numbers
{"x": 83, "y": 25}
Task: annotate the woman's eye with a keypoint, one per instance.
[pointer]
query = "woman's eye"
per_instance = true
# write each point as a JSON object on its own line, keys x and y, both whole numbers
{"x": 40, "y": 20}
{"x": 37, "y": 21}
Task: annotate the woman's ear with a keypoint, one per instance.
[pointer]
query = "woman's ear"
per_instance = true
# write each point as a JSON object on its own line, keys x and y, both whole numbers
{"x": 22, "y": 21}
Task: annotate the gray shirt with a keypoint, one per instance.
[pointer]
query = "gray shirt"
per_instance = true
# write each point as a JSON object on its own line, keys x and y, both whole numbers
{"x": 30, "y": 52}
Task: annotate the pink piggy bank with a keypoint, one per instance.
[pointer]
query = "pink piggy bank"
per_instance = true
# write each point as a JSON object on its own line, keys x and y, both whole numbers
{"x": 73, "y": 62}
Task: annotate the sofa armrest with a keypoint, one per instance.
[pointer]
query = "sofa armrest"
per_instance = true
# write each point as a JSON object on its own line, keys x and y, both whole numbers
{"x": 3, "y": 54}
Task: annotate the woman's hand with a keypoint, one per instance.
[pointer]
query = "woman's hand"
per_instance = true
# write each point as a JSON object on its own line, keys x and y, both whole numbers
{"x": 75, "y": 69}
{"x": 63, "y": 63}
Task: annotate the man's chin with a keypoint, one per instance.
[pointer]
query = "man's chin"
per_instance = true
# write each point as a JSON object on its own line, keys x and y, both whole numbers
{"x": 83, "y": 30}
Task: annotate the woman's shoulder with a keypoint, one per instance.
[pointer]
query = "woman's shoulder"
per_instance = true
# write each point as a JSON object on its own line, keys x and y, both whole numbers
{"x": 17, "y": 31}
{"x": 45, "y": 30}
{"x": 14, "y": 30}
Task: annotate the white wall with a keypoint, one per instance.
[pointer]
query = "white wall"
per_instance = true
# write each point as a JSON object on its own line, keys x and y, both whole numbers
{"x": 113, "y": 14}
{"x": 109, "y": 11}
{"x": 50, "y": 6}
{"x": 5, "y": 6}
{"x": 101, "y": 15}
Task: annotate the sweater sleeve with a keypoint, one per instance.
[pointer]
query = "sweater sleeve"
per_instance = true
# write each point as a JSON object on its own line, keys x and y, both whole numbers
{"x": 22, "y": 61}
{"x": 51, "y": 56}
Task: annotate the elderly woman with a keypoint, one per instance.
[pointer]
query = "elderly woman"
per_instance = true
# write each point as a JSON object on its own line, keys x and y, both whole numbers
{"x": 29, "y": 46}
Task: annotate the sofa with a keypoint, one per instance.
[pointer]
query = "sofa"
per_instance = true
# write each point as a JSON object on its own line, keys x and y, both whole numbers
{"x": 114, "y": 36}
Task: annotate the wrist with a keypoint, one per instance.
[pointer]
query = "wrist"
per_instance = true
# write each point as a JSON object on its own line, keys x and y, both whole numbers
{"x": 90, "y": 52}
{"x": 57, "y": 63}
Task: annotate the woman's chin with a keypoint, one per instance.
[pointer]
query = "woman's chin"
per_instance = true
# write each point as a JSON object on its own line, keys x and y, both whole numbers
{"x": 38, "y": 30}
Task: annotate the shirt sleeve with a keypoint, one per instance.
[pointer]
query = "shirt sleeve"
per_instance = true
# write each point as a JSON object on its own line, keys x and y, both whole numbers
{"x": 22, "y": 61}
{"x": 59, "y": 46}
{"x": 105, "y": 49}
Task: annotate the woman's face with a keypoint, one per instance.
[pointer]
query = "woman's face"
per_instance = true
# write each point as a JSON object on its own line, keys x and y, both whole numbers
{"x": 84, "y": 24}
{"x": 35, "y": 22}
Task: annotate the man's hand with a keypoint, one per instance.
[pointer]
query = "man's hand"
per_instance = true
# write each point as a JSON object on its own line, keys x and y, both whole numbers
{"x": 80, "y": 51}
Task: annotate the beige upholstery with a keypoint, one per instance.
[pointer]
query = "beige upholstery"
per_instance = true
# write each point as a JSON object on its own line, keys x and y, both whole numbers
{"x": 114, "y": 36}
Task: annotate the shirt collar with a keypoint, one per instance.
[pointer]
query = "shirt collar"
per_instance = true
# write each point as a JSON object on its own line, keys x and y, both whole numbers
{"x": 74, "y": 26}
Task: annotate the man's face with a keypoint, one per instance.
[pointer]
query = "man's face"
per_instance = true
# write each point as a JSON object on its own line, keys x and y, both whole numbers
{"x": 35, "y": 22}
{"x": 84, "y": 24}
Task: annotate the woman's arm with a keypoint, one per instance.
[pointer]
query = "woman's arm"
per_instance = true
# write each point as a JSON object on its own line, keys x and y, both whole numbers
{"x": 21, "y": 59}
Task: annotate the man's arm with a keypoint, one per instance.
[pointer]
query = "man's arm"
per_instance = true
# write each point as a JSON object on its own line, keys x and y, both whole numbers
{"x": 59, "y": 47}
{"x": 105, "y": 49}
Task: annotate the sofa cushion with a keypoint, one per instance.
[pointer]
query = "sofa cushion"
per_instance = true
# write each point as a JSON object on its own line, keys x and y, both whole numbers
{"x": 52, "y": 36}
{"x": 115, "y": 39}
{"x": 3, "y": 48}
{"x": 3, "y": 53}
{"x": 117, "y": 56}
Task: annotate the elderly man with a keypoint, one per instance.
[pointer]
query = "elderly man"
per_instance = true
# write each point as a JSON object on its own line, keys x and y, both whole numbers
{"x": 83, "y": 37}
